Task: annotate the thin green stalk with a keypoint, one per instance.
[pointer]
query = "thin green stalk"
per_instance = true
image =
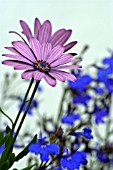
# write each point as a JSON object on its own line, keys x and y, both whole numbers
{"x": 61, "y": 104}
{"x": 22, "y": 120}
{"x": 25, "y": 113}
{"x": 6, "y": 116}
{"x": 23, "y": 103}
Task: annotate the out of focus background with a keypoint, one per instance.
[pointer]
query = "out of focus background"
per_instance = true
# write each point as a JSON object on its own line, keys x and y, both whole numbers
{"x": 90, "y": 20}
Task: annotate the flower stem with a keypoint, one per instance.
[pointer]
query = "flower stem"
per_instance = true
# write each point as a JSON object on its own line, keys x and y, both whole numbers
{"x": 23, "y": 118}
{"x": 61, "y": 104}
{"x": 25, "y": 113}
{"x": 23, "y": 103}
{"x": 6, "y": 115}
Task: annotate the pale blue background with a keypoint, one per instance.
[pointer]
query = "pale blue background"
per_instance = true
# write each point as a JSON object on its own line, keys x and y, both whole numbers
{"x": 90, "y": 20}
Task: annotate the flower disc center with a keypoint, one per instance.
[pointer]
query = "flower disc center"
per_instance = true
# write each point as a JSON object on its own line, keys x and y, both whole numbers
{"x": 42, "y": 66}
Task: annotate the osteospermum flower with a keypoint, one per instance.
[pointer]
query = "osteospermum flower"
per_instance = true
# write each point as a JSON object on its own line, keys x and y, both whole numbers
{"x": 41, "y": 61}
{"x": 43, "y": 33}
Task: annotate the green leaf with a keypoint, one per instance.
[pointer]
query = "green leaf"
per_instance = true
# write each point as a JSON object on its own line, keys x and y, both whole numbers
{"x": 7, "y": 140}
{"x": 4, "y": 139}
{"x": 8, "y": 129}
{"x": 29, "y": 167}
{"x": 11, "y": 159}
{"x": 25, "y": 150}
{"x": 4, "y": 166}
{"x": 1, "y": 136}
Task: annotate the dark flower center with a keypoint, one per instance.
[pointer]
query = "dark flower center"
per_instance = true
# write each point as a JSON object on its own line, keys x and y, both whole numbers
{"x": 42, "y": 66}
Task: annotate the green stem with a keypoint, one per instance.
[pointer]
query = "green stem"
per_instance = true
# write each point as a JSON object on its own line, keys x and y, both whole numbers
{"x": 61, "y": 104}
{"x": 25, "y": 113}
{"x": 23, "y": 103}
{"x": 6, "y": 115}
{"x": 23, "y": 118}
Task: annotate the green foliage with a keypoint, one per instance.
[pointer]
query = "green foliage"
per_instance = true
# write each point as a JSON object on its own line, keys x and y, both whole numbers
{"x": 25, "y": 151}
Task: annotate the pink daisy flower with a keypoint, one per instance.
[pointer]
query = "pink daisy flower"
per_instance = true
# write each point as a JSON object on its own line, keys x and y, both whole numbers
{"x": 41, "y": 61}
{"x": 43, "y": 33}
{"x": 44, "y": 58}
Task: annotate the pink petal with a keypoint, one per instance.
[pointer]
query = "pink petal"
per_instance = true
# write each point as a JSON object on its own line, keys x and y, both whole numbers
{"x": 56, "y": 36}
{"x": 62, "y": 60}
{"x": 51, "y": 81}
{"x": 45, "y": 32}
{"x": 55, "y": 53}
{"x": 37, "y": 26}
{"x": 38, "y": 75}
{"x": 46, "y": 48}
{"x": 68, "y": 76}
{"x": 63, "y": 38}
{"x": 69, "y": 67}
{"x": 17, "y": 64}
{"x": 69, "y": 46}
{"x": 12, "y": 49}
{"x": 17, "y": 57}
{"x": 26, "y": 29}
{"x": 57, "y": 75}
{"x": 27, "y": 74}
{"x": 24, "y": 49}
{"x": 36, "y": 47}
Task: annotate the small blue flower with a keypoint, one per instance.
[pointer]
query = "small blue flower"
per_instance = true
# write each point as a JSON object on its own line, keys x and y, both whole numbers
{"x": 74, "y": 161}
{"x": 86, "y": 133}
{"x": 82, "y": 99}
{"x": 70, "y": 119}
{"x": 108, "y": 61}
{"x": 33, "y": 105}
{"x": 2, "y": 148}
{"x": 44, "y": 149}
{"x": 102, "y": 156}
{"x": 81, "y": 83}
{"x": 99, "y": 116}
{"x": 99, "y": 90}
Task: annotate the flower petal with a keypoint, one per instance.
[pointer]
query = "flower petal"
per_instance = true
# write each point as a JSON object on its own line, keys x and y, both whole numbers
{"x": 67, "y": 76}
{"x": 45, "y": 32}
{"x": 57, "y": 75}
{"x": 36, "y": 47}
{"x": 56, "y": 36}
{"x": 70, "y": 45}
{"x": 63, "y": 38}
{"x": 69, "y": 67}
{"x": 26, "y": 29}
{"x": 37, "y": 26}
{"x": 38, "y": 75}
{"x": 62, "y": 60}
{"x": 50, "y": 80}
{"x": 27, "y": 74}
{"x": 18, "y": 57}
{"x": 17, "y": 64}
{"x": 24, "y": 49}
{"x": 55, "y": 53}
{"x": 46, "y": 48}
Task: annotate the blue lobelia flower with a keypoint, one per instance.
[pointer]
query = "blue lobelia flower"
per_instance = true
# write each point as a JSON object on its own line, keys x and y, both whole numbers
{"x": 2, "y": 148}
{"x": 43, "y": 148}
{"x": 82, "y": 99}
{"x": 99, "y": 90}
{"x": 81, "y": 83}
{"x": 86, "y": 133}
{"x": 70, "y": 119}
{"x": 109, "y": 61}
{"x": 100, "y": 114}
{"x": 102, "y": 156}
{"x": 73, "y": 161}
{"x": 33, "y": 105}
